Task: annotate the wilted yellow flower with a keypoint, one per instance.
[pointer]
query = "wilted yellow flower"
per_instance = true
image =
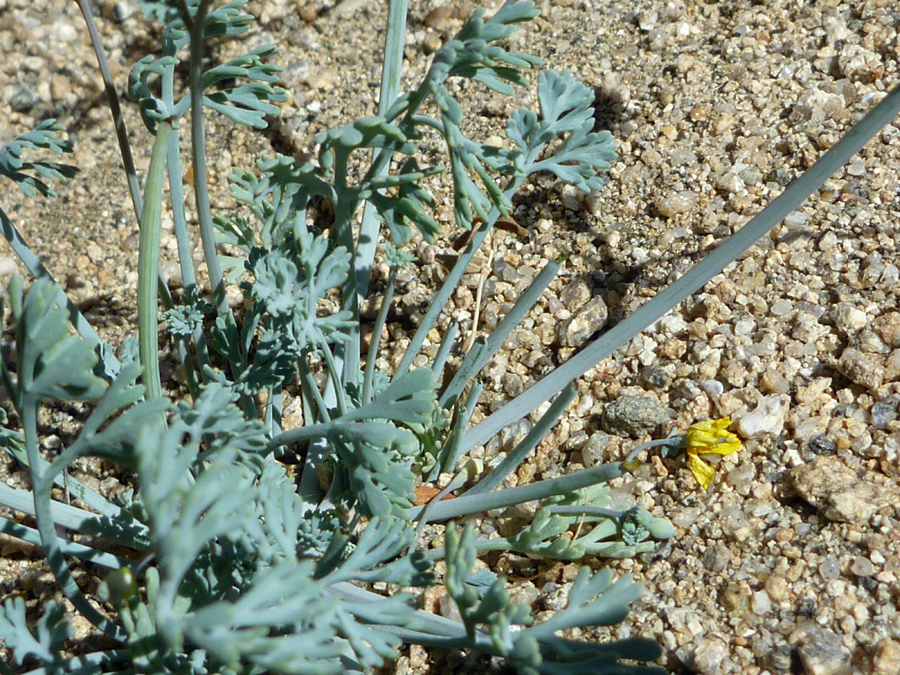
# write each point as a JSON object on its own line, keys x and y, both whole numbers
{"x": 709, "y": 438}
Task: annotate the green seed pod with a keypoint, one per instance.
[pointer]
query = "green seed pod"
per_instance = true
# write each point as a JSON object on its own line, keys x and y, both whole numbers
{"x": 118, "y": 586}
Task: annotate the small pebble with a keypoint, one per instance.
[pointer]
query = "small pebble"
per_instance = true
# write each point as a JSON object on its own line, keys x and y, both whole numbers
{"x": 767, "y": 418}
{"x": 577, "y": 330}
{"x": 839, "y": 493}
{"x": 882, "y": 414}
{"x": 821, "y": 650}
{"x": 594, "y": 451}
{"x": 760, "y": 604}
{"x": 634, "y": 416}
{"x": 887, "y": 657}
{"x": 8, "y": 266}
{"x": 779, "y": 659}
{"x": 777, "y": 587}
{"x": 864, "y": 369}
{"x": 862, "y": 567}
{"x": 709, "y": 655}
{"x": 673, "y": 203}
{"x": 829, "y": 569}
{"x": 848, "y": 318}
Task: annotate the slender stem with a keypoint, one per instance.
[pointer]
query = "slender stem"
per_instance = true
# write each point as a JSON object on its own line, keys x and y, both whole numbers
{"x": 672, "y": 442}
{"x": 390, "y": 89}
{"x": 333, "y": 373}
{"x": 114, "y": 108}
{"x": 176, "y": 192}
{"x": 356, "y": 287}
{"x": 148, "y": 263}
{"x": 112, "y": 98}
{"x": 198, "y": 151}
{"x": 87, "y": 553}
{"x": 576, "y": 510}
{"x": 691, "y": 281}
{"x": 467, "y": 505}
{"x": 274, "y": 410}
{"x": 41, "y": 487}
{"x": 512, "y": 461}
{"x": 311, "y": 387}
{"x": 380, "y": 320}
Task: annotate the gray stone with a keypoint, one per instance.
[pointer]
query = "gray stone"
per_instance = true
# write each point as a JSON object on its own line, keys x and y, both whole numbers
{"x": 634, "y": 416}
{"x": 578, "y": 329}
{"x": 848, "y": 318}
{"x": 576, "y": 294}
{"x": 593, "y": 452}
{"x": 862, "y": 567}
{"x": 716, "y": 558}
{"x": 882, "y": 413}
{"x": 760, "y": 604}
{"x": 779, "y": 659}
{"x": 821, "y": 650}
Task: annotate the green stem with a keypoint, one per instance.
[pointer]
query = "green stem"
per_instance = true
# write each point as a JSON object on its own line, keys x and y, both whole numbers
{"x": 311, "y": 387}
{"x": 148, "y": 263}
{"x": 380, "y": 320}
{"x": 41, "y": 486}
{"x": 198, "y": 151}
{"x": 466, "y": 504}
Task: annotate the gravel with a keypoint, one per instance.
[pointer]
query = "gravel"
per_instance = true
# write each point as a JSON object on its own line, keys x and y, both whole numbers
{"x": 791, "y": 560}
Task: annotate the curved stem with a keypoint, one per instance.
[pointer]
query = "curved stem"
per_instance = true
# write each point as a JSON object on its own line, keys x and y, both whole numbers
{"x": 148, "y": 262}
{"x": 41, "y": 489}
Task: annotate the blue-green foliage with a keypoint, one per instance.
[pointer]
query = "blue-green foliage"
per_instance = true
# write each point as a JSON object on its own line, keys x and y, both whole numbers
{"x": 601, "y": 531}
{"x": 44, "y": 643}
{"x": 245, "y": 103}
{"x": 594, "y": 600}
{"x": 16, "y": 169}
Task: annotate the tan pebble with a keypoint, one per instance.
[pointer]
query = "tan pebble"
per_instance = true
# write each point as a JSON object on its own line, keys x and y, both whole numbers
{"x": 887, "y": 657}
{"x": 439, "y": 18}
{"x": 888, "y": 328}
{"x": 673, "y": 203}
{"x": 323, "y": 80}
{"x": 773, "y": 382}
{"x": 864, "y": 369}
{"x": 777, "y": 587}
{"x": 60, "y": 87}
{"x": 785, "y": 534}
{"x": 892, "y": 367}
{"x": 308, "y": 12}
{"x": 735, "y": 597}
{"x": 860, "y": 613}
{"x": 743, "y": 533}
{"x": 431, "y": 43}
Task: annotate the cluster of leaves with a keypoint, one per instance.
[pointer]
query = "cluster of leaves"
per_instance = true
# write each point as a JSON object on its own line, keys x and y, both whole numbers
{"x": 238, "y": 570}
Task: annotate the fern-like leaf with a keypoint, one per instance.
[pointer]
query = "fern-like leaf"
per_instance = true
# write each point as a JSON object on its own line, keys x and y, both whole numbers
{"x": 13, "y": 166}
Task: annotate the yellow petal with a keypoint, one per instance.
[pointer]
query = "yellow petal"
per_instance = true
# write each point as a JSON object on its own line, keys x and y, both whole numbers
{"x": 702, "y": 471}
{"x": 712, "y": 437}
